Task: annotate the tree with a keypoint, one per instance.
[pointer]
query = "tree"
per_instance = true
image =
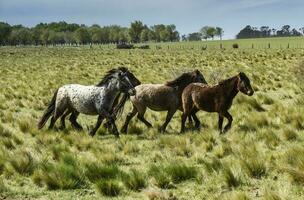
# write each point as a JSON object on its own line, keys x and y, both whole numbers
{"x": 285, "y": 30}
{"x": 5, "y": 30}
{"x": 219, "y": 32}
{"x": 204, "y": 32}
{"x": 135, "y": 31}
{"x": 144, "y": 36}
{"x": 194, "y": 36}
{"x": 184, "y": 37}
{"x": 82, "y": 35}
{"x": 211, "y": 32}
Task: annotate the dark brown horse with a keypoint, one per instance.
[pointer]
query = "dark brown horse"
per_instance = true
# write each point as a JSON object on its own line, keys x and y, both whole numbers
{"x": 217, "y": 98}
{"x": 161, "y": 97}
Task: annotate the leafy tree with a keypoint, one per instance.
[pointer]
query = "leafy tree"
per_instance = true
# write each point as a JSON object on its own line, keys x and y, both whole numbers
{"x": 144, "y": 36}
{"x": 194, "y": 36}
{"x": 219, "y": 32}
{"x": 82, "y": 35}
{"x": 204, "y": 32}
{"x": 5, "y": 30}
{"x": 211, "y": 32}
{"x": 135, "y": 31}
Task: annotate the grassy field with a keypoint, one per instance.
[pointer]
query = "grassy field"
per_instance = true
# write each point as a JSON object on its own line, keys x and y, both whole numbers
{"x": 261, "y": 157}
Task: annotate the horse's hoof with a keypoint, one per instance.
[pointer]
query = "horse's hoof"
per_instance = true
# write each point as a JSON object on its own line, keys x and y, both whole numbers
{"x": 91, "y": 134}
{"x": 123, "y": 130}
{"x": 161, "y": 130}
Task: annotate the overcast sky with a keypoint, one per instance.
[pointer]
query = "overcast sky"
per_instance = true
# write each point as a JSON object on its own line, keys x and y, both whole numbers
{"x": 187, "y": 15}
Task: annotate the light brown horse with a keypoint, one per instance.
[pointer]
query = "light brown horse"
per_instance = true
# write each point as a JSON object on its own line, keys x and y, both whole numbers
{"x": 217, "y": 98}
{"x": 161, "y": 97}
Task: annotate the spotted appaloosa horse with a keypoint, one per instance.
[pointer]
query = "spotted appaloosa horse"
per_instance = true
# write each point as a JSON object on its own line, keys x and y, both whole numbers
{"x": 161, "y": 97}
{"x": 89, "y": 100}
{"x": 117, "y": 107}
{"x": 217, "y": 98}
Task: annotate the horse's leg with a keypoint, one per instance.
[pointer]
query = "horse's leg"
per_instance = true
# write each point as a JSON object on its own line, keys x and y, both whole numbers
{"x": 107, "y": 124}
{"x": 130, "y": 115}
{"x": 140, "y": 116}
{"x": 73, "y": 121}
{"x": 168, "y": 119}
{"x": 98, "y": 123}
{"x": 183, "y": 121}
{"x": 58, "y": 112}
{"x": 220, "y": 123}
{"x": 196, "y": 120}
{"x": 230, "y": 119}
{"x": 62, "y": 119}
{"x": 190, "y": 120}
{"x": 114, "y": 127}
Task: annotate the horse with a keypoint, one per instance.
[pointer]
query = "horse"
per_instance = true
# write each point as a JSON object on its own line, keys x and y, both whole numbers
{"x": 116, "y": 109}
{"x": 217, "y": 98}
{"x": 161, "y": 97}
{"x": 90, "y": 100}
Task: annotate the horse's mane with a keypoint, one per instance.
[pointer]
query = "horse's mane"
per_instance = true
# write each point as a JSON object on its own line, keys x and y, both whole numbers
{"x": 107, "y": 77}
{"x": 225, "y": 81}
{"x": 179, "y": 80}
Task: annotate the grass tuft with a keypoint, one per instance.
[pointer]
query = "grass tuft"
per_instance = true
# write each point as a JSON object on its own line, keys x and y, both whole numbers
{"x": 134, "y": 180}
{"x": 63, "y": 175}
{"x": 23, "y": 163}
{"x": 110, "y": 187}
{"x": 95, "y": 171}
{"x": 231, "y": 178}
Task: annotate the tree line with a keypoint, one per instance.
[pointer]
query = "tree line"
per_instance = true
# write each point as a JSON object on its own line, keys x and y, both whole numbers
{"x": 266, "y": 31}
{"x": 205, "y": 33}
{"x": 71, "y": 33}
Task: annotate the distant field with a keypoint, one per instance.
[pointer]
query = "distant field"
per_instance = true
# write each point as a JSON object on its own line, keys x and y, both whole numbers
{"x": 259, "y": 43}
{"x": 262, "y": 157}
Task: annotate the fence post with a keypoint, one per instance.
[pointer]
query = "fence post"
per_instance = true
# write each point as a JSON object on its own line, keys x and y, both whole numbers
{"x": 288, "y": 46}
{"x": 268, "y": 45}
{"x": 252, "y": 46}
{"x": 221, "y": 46}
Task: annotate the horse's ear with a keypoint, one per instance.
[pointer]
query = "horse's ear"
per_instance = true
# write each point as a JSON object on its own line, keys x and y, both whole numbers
{"x": 242, "y": 75}
{"x": 197, "y": 72}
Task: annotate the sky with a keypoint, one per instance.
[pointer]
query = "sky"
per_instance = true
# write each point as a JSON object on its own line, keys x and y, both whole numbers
{"x": 188, "y": 15}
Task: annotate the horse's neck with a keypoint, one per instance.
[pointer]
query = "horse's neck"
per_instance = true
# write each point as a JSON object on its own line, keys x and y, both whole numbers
{"x": 231, "y": 89}
{"x": 181, "y": 88}
{"x": 111, "y": 91}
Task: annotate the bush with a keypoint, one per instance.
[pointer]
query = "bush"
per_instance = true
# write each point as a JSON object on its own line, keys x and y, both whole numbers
{"x": 235, "y": 46}
{"x": 134, "y": 180}
{"x": 124, "y": 46}
{"x": 109, "y": 187}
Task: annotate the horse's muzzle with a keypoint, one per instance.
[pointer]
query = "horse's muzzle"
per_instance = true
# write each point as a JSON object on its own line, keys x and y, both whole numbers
{"x": 250, "y": 92}
{"x": 132, "y": 92}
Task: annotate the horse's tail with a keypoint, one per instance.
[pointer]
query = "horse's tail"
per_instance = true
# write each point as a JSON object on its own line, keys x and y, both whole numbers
{"x": 48, "y": 112}
{"x": 118, "y": 109}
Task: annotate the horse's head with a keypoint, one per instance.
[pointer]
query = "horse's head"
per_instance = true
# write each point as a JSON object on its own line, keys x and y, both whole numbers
{"x": 244, "y": 84}
{"x": 124, "y": 83}
{"x": 132, "y": 78}
{"x": 198, "y": 77}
